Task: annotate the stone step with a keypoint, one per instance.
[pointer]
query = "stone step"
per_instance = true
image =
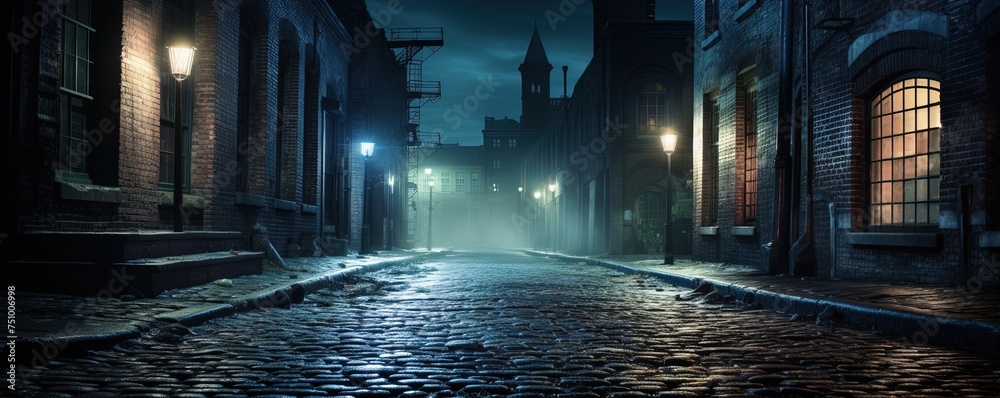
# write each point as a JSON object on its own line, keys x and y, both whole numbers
{"x": 116, "y": 247}
{"x": 145, "y": 277}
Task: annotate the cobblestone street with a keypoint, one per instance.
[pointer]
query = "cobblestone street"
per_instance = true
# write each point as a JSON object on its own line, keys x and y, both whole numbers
{"x": 480, "y": 324}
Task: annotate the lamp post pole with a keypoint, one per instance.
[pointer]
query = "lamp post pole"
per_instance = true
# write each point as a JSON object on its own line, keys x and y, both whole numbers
{"x": 669, "y": 141}
{"x": 430, "y": 205}
{"x": 181, "y": 58}
{"x": 367, "y": 148}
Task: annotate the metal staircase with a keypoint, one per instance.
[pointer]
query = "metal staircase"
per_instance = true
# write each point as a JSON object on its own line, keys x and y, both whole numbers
{"x": 413, "y": 46}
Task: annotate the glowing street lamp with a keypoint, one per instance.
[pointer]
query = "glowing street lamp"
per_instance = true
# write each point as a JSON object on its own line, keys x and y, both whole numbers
{"x": 669, "y": 141}
{"x": 181, "y": 60}
{"x": 367, "y": 149}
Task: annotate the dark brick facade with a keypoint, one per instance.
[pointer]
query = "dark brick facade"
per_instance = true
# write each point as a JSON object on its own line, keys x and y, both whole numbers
{"x": 595, "y": 153}
{"x": 236, "y": 182}
{"x": 874, "y": 46}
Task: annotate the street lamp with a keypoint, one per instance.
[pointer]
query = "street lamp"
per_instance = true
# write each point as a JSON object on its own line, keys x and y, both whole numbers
{"x": 181, "y": 58}
{"x": 669, "y": 141}
{"x": 367, "y": 148}
{"x": 553, "y": 224}
{"x": 430, "y": 205}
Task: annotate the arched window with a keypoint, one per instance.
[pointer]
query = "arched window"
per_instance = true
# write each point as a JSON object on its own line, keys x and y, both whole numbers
{"x": 652, "y": 112}
{"x": 905, "y": 157}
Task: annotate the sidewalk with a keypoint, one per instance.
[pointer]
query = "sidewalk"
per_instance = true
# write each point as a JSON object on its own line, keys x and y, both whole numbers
{"x": 946, "y": 316}
{"x": 52, "y": 325}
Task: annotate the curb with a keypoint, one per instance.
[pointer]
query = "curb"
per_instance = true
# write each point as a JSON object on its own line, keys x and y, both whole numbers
{"x": 282, "y": 297}
{"x": 910, "y": 328}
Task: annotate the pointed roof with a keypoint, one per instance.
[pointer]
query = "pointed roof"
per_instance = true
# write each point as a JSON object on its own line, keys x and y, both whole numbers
{"x": 536, "y": 52}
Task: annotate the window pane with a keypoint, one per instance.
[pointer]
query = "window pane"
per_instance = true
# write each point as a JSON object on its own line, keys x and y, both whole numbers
{"x": 935, "y": 115}
{"x": 897, "y": 213}
{"x": 934, "y": 141}
{"x": 886, "y": 148}
{"x": 921, "y": 213}
{"x": 922, "y": 142}
{"x": 933, "y": 188}
{"x": 922, "y": 165}
{"x": 886, "y": 125}
{"x": 909, "y": 121}
{"x": 921, "y": 190}
{"x": 934, "y": 96}
{"x": 921, "y": 97}
{"x": 897, "y": 123}
{"x": 876, "y": 130}
{"x": 886, "y": 170}
{"x": 897, "y": 192}
{"x": 876, "y": 171}
{"x": 921, "y": 119}
{"x": 897, "y": 169}
{"x": 933, "y": 216}
{"x": 909, "y": 98}
{"x": 897, "y": 146}
{"x": 909, "y": 191}
{"x": 909, "y": 144}
{"x": 909, "y": 168}
{"x": 934, "y": 164}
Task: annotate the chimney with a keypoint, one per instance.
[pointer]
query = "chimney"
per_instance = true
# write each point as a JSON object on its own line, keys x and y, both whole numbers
{"x": 565, "y": 69}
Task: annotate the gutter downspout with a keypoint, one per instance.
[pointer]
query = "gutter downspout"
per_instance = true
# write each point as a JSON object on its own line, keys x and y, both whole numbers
{"x": 803, "y": 251}
{"x": 778, "y": 255}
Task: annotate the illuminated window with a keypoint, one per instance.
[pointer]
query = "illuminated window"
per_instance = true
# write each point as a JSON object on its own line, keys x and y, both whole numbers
{"x": 905, "y": 157}
{"x": 750, "y": 158}
{"x": 445, "y": 181}
{"x": 652, "y": 101}
{"x": 710, "y": 162}
{"x": 496, "y": 142}
{"x": 75, "y": 96}
{"x": 459, "y": 181}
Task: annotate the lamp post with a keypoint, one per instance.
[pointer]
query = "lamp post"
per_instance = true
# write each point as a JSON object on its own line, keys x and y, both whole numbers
{"x": 669, "y": 141}
{"x": 389, "y": 204}
{"x": 367, "y": 148}
{"x": 554, "y": 224}
{"x": 181, "y": 58}
{"x": 430, "y": 204}
{"x": 538, "y": 229}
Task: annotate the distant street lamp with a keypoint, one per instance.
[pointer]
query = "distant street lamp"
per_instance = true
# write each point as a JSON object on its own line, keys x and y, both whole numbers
{"x": 181, "y": 59}
{"x": 554, "y": 223}
{"x": 430, "y": 204}
{"x": 669, "y": 141}
{"x": 538, "y": 229}
{"x": 367, "y": 148}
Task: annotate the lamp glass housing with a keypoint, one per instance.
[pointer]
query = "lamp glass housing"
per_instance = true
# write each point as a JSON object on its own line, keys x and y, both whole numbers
{"x": 669, "y": 141}
{"x": 367, "y": 149}
{"x": 181, "y": 60}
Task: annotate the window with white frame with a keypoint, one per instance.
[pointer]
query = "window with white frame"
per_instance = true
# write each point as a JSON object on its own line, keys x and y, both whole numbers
{"x": 474, "y": 182}
{"x": 496, "y": 142}
{"x": 459, "y": 181}
{"x": 445, "y": 181}
{"x": 905, "y": 154}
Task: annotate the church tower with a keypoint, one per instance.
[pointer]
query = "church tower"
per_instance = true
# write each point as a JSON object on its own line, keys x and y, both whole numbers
{"x": 535, "y": 71}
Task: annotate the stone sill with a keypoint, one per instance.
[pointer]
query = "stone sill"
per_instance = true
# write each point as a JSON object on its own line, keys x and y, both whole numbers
{"x": 188, "y": 201}
{"x": 710, "y": 40}
{"x": 286, "y": 205}
{"x": 310, "y": 209}
{"x": 708, "y": 231}
{"x": 89, "y": 192}
{"x": 926, "y": 240}
{"x": 746, "y": 10}
{"x": 989, "y": 239}
{"x": 744, "y": 231}
{"x": 247, "y": 199}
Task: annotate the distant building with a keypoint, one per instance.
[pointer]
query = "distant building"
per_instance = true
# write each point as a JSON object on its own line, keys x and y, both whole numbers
{"x": 871, "y": 154}
{"x": 598, "y": 168}
{"x": 507, "y": 140}
{"x": 458, "y": 215}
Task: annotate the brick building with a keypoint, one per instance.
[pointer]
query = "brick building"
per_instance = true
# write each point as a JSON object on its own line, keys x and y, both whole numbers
{"x": 889, "y": 168}
{"x": 275, "y": 86}
{"x": 599, "y": 169}
{"x": 505, "y": 141}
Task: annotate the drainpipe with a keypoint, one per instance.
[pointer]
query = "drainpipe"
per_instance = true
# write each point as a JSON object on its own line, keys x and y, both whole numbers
{"x": 803, "y": 251}
{"x": 778, "y": 259}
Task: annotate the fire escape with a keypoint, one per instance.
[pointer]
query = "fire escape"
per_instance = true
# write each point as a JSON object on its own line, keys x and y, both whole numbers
{"x": 413, "y": 46}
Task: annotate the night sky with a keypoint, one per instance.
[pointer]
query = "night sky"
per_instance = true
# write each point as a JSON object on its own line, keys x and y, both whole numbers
{"x": 484, "y": 38}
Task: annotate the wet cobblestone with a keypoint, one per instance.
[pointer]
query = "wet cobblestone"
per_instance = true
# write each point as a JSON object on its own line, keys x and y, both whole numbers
{"x": 509, "y": 325}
